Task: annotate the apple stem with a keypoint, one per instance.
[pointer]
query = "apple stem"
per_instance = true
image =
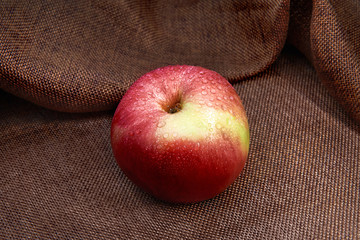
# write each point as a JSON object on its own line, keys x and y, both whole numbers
{"x": 176, "y": 108}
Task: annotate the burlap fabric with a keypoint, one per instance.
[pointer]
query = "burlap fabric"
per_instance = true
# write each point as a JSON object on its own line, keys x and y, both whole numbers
{"x": 58, "y": 178}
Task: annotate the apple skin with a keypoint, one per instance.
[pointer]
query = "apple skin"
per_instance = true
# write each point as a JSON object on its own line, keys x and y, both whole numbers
{"x": 183, "y": 154}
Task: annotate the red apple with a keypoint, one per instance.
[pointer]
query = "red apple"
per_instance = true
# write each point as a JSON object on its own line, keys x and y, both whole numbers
{"x": 181, "y": 134}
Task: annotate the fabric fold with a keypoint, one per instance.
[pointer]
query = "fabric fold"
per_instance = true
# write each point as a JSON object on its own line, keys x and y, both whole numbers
{"x": 82, "y": 56}
{"x": 328, "y": 33}
{"x": 335, "y": 35}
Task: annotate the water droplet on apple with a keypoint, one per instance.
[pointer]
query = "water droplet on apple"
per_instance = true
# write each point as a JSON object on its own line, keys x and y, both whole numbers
{"x": 203, "y": 92}
{"x": 203, "y": 87}
{"x": 201, "y": 72}
{"x": 218, "y": 98}
{"x": 228, "y": 122}
{"x": 225, "y": 97}
{"x": 161, "y": 124}
{"x": 201, "y": 102}
{"x": 166, "y": 135}
{"x": 231, "y": 98}
{"x": 212, "y": 91}
{"x": 219, "y": 87}
{"x": 209, "y": 104}
{"x": 205, "y": 81}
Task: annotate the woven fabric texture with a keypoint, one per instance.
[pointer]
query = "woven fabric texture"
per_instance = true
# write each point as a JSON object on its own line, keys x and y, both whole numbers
{"x": 64, "y": 66}
{"x": 328, "y": 33}
{"x": 82, "y": 55}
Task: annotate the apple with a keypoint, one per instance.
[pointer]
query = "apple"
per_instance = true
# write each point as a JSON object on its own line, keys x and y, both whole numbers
{"x": 181, "y": 134}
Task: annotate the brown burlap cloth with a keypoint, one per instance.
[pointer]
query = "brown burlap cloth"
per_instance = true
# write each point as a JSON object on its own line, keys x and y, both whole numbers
{"x": 58, "y": 178}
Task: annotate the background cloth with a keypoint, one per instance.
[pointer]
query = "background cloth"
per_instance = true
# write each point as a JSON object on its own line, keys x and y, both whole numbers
{"x": 58, "y": 178}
